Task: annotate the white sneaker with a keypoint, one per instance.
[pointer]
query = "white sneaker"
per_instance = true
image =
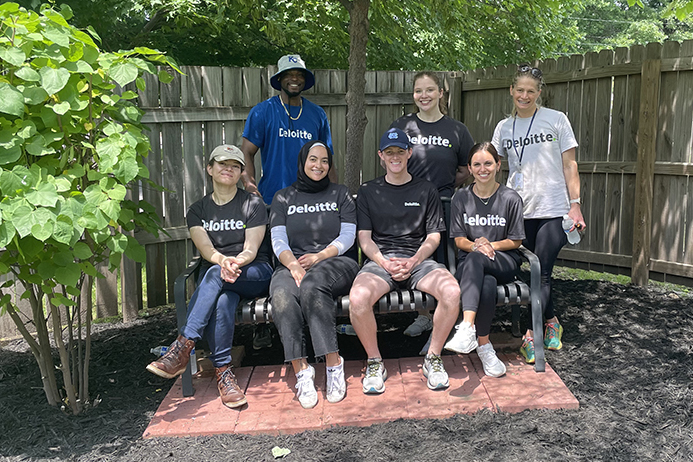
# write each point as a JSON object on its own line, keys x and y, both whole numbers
{"x": 493, "y": 366}
{"x": 376, "y": 374}
{"x": 434, "y": 371}
{"x": 420, "y": 325}
{"x": 464, "y": 340}
{"x": 336, "y": 385}
{"x": 305, "y": 388}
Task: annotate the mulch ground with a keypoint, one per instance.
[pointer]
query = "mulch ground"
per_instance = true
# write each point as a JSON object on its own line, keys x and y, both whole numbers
{"x": 627, "y": 357}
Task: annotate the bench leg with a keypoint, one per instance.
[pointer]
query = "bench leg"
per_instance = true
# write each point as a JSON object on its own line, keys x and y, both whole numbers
{"x": 538, "y": 328}
{"x": 516, "y": 330}
{"x": 186, "y": 382}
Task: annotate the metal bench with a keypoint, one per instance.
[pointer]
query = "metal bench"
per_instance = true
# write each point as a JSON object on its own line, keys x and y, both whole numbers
{"x": 515, "y": 294}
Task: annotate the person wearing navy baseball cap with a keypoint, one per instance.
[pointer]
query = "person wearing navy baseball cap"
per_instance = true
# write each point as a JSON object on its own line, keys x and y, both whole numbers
{"x": 400, "y": 221}
{"x": 279, "y": 127}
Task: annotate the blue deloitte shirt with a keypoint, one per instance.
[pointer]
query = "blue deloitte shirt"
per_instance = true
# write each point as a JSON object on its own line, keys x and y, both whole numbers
{"x": 280, "y": 139}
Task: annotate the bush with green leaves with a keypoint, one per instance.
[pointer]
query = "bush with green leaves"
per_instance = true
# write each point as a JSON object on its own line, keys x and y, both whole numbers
{"x": 71, "y": 143}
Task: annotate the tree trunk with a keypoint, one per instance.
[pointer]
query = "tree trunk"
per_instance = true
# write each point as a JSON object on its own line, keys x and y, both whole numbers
{"x": 356, "y": 91}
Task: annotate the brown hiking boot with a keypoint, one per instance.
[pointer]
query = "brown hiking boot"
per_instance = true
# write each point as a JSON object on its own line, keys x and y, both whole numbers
{"x": 173, "y": 363}
{"x": 231, "y": 394}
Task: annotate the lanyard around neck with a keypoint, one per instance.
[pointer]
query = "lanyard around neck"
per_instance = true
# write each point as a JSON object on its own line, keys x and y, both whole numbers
{"x": 522, "y": 152}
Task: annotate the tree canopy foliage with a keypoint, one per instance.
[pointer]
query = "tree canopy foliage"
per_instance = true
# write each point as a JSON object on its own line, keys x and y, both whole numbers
{"x": 430, "y": 34}
{"x": 609, "y": 24}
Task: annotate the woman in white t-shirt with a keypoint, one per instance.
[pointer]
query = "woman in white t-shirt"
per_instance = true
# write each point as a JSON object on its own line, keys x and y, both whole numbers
{"x": 539, "y": 144}
{"x": 487, "y": 226}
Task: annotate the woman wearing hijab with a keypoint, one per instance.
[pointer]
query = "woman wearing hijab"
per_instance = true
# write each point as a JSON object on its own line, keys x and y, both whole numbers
{"x": 313, "y": 223}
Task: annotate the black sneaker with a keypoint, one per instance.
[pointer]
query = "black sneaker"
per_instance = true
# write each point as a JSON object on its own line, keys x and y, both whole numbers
{"x": 262, "y": 337}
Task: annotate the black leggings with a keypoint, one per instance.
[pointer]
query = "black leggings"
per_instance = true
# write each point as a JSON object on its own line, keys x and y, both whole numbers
{"x": 478, "y": 276}
{"x": 545, "y": 237}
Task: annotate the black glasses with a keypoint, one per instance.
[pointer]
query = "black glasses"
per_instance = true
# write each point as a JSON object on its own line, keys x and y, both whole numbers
{"x": 527, "y": 69}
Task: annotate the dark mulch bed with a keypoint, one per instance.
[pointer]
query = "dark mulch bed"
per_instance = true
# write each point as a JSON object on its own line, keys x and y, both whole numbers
{"x": 627, "y": 358}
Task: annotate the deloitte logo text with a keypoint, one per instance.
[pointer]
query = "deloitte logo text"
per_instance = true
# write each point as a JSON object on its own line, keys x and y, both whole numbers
{"x": 305, "y": 208}
{"x": 531, "y": 139}
{"x": 430, "y": 139}
{"x": 223, "y": 225}
{"x": 300, "y": 134}
{"x": 488, "y": 220}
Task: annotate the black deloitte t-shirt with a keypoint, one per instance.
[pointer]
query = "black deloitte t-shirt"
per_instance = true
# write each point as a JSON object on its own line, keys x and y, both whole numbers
{"x": 438, "y": 149}
{"x": 226, "y": 224}
{"x": 399, "y": 216}
{"x": 312, "y": 220}
{"x": 500, "y": 219}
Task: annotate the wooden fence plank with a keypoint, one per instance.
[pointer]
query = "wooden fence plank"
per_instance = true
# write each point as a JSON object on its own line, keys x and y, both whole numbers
{"x": 370, "y": 160}
{"x": 602, "y": 109}
{"x": 670, "y": 106}
{"x": 337, "y": 115}
{"x": 155, "y": 266}
{"x": 683, "y": 140}
{"x": 668, "y": 220}
{"x": 647, "y": 136}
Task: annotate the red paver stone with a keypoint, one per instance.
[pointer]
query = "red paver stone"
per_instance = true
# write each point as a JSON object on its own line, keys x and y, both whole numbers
{"x": 522, "y": 388}
{"x": 273, "y": 408}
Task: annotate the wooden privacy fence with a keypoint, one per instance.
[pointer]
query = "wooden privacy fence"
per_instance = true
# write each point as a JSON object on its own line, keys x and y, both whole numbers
{"x": 630, "y": 110}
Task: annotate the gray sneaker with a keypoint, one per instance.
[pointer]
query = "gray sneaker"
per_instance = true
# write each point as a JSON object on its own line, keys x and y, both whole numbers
{"x": 420, "y": 325}
{"x": 374, "y": 379}
{"x": 434, "y": 371}
{"x": 464, "y": 340}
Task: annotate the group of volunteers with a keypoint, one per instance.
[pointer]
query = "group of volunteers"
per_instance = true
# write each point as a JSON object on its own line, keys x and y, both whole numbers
{"x": 397, "y": 219}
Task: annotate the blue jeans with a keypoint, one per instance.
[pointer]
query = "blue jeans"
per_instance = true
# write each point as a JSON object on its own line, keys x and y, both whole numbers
{"x": 212, "y": 308}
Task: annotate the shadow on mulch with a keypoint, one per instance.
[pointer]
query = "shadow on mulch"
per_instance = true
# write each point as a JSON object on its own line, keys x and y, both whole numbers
{"x": 627, "y": 358}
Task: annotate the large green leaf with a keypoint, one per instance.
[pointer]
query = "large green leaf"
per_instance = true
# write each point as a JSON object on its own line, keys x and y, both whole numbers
{"x": 54, "y": 80}
{"x": 13, "y": 55}
{"x": 28, "y": 74}
{"x": 11, "y": 100}
{"x": 34, "y": 95}
{"x": 82, "y": 251}
{"x": 135, "y": 250}
{"x": 43, "y": 224}
{"x": 10, "y": 155}
{"x": 59, "y": 36}
{"x": 21, "y": 219}
{"x": 79, "y": 67}
{"x": 64, "y": 229}
{"x": 7, "y": 232}
{"x": 69, "y": 275}
{"x": 123, "y": 73}
{"x": 44, "y": 195}
{"x": 10, "y": 182}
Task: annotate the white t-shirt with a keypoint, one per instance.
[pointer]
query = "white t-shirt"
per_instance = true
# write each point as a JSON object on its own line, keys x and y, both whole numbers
{"x": 540, "y": 143}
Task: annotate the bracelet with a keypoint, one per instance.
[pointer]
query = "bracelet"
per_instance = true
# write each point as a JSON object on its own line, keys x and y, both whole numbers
{"x": 575, "y": 201}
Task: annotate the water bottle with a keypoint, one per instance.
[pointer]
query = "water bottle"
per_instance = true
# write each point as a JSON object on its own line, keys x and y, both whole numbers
{"x": 160, "y": 350}
{"x": 347, "y": 329}
{"x": 193, "y": 362}
{"x": 574, "y": 235}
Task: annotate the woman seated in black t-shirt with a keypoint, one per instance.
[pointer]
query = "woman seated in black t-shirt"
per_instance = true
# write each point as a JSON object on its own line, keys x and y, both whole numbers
{"x": 486, "y": 222}
{"x": 227, "y": 226}
{"x": 313, "y": 222}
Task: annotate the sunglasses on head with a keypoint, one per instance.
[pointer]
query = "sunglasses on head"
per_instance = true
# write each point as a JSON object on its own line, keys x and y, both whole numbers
{"x": 526, "y": 68}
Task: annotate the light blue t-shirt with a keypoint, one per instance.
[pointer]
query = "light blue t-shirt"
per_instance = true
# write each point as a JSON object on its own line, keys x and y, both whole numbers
{"x": 280, "y": 139}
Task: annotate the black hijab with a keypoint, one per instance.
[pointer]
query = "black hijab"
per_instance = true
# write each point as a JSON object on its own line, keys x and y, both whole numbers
{"x": 305, "y": 184}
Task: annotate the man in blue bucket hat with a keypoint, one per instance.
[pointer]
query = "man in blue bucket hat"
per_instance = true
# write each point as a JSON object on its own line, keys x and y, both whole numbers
{"x": 280, "y": 126}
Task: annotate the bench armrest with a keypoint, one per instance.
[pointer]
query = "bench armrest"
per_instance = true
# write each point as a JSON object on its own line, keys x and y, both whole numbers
{"x": 537, "y": 309}
{"x": 180, "y": 289}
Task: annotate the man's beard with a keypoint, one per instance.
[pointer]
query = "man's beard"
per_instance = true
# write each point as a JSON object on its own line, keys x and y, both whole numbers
{"x": 292, "y": 94}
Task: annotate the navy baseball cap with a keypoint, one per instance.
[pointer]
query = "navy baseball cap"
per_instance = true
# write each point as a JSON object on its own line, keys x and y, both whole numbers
{"x": 394, "y": 137}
